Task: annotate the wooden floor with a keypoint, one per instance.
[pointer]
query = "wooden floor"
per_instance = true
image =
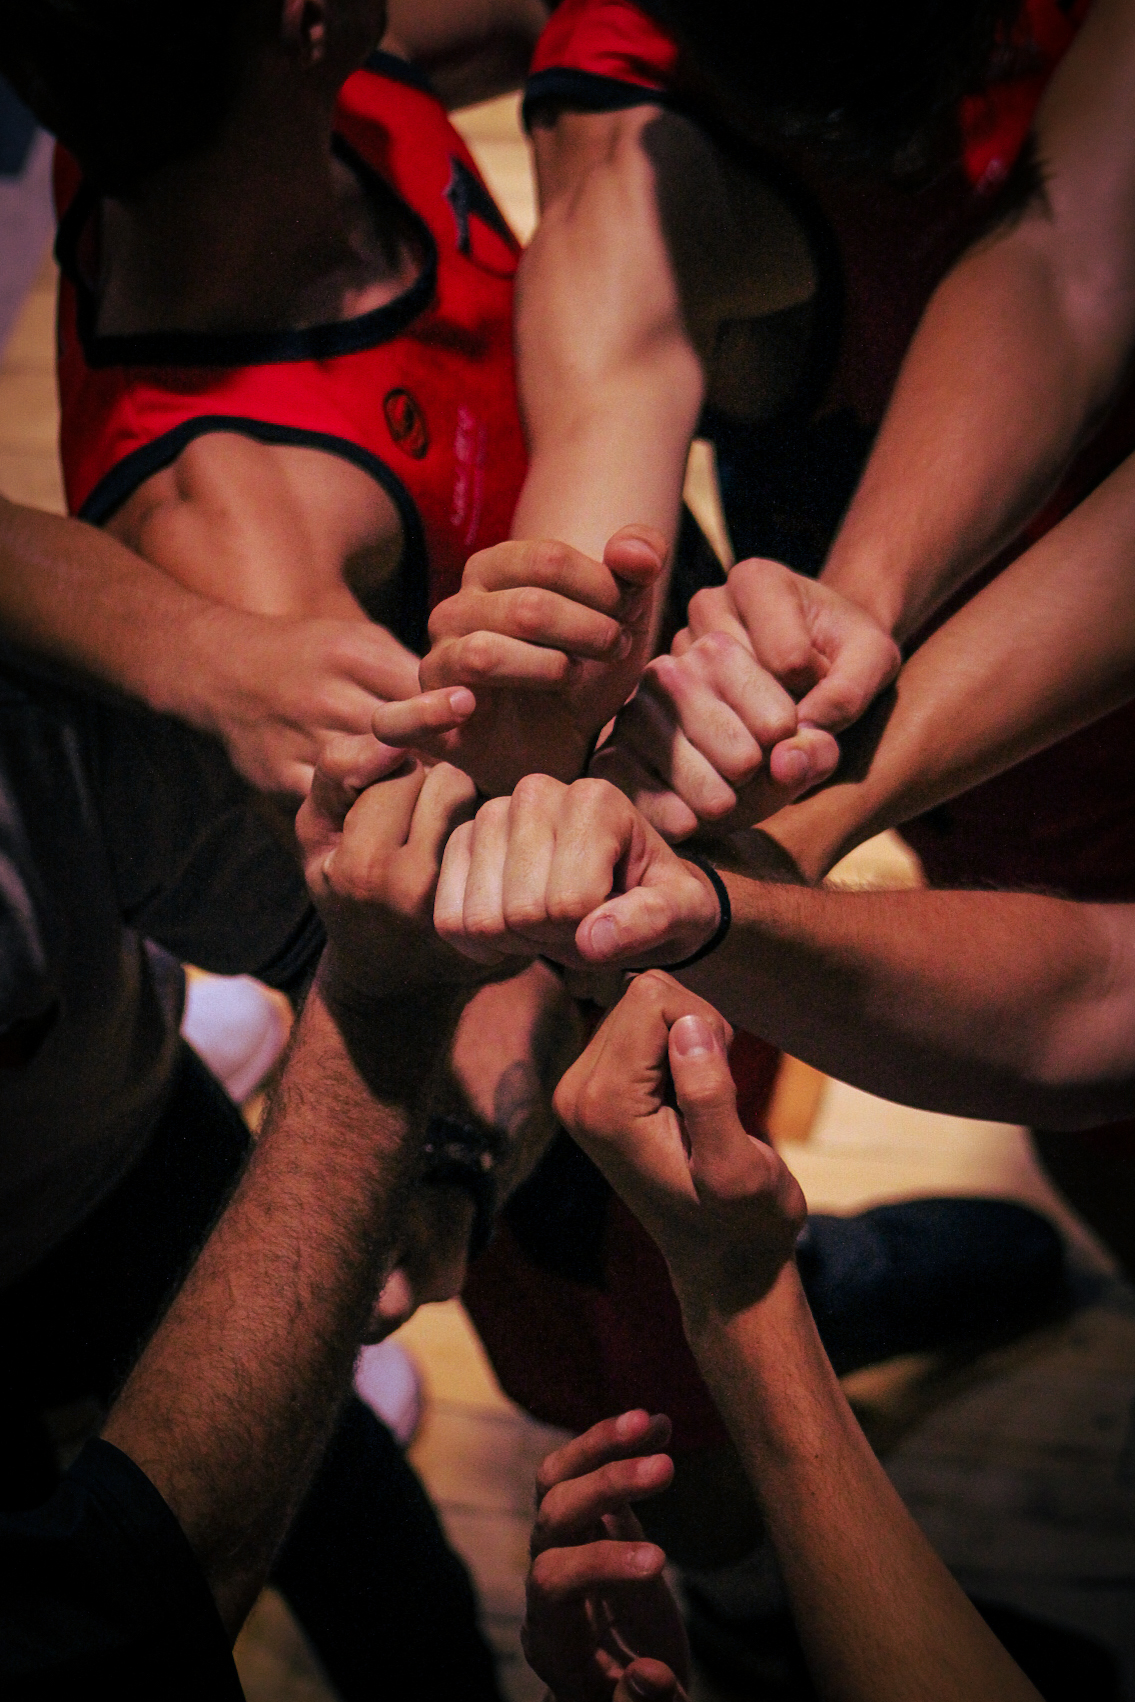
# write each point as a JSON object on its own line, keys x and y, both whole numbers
{"x": 1020, "y": 1466}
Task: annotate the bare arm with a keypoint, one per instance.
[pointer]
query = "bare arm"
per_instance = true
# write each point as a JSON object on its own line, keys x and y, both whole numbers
{"x": 1020, "y": 350}
{"x": 1046, "y": 648}
{"x": 233, "y": 1398}
{"x": 272, "y": 687}
{"x": 879, "y": 1616}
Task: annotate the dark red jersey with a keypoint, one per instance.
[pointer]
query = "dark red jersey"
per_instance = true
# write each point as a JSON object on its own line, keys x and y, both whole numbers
{"x": 420, "y": 393}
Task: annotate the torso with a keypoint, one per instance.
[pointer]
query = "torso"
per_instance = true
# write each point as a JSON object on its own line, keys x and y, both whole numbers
{"x": 355, "y": 449}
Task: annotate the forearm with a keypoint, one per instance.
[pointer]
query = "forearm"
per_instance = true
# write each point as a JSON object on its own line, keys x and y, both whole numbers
{"x": 878, "y": 1614}
{"x": 76, "y": 595}
{"x": 991, "y": 402}
{"x": 234, "y": 1397}
{"x": 1009, "y": 1006}
{"x": 1023, "y": 345}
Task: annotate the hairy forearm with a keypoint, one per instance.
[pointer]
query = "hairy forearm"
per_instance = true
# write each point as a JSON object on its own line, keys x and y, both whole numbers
{"x": 878, "y": 1614}
{"x": 1004, "y": 1005}
{"x": 233, "y": 1399}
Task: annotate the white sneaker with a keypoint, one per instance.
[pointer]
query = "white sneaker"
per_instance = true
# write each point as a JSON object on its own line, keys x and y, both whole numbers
{"x": 387, "y": 1381}
{"x": 237, "y": 1027}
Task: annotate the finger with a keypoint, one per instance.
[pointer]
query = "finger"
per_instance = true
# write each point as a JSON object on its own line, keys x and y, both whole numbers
{"x": 769, "y": 600}
{"x": 712, "y": 609}
{"x": 449, "y": 899}
{"x": 760, "y": 702}
{"x": 636, "y": 554}
{"x": 651, "y": 728}
{"x": 667, "y": 813}
{"x": 863, "y": 667}
{"x": 594, "y": 834}
{"x": 570, "y": 1512}
{"x": 707, "y": 1099}
{"x": 621, "y": 1438}
{"x": 648, "y": 1680}
{"x": 533, "y": 615}
{"x": 545, "y": 563}
{"x": 492, "y": 658}
{"x": 447, "y": 799}
{"x": 661, "y": 923}
{"x": 347, "y": 765}
{"x": 482, "y": 919}
{"x": 562, "y": 1575}
{"x": 806, "y": 760}
{"x": 377, "y": 824}
{"x": 532, "y": 817}
{"x": 415, "y": 719}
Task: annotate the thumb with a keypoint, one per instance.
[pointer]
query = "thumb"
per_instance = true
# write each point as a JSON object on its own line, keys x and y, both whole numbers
{"x": 647, "y": 1680}
{"x": 636, "y": 554}
{"x": 707, "y": 1097}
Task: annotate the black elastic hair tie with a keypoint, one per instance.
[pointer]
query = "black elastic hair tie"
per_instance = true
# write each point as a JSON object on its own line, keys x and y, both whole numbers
{"x": 726, "y": 919}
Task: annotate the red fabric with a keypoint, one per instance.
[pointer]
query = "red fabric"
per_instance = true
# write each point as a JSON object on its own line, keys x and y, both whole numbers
{"x": 606, "y": 38}
{"x": 459, "y": 451}
{"x": 572, "y": 1354}
{"x": 995, "y": 123}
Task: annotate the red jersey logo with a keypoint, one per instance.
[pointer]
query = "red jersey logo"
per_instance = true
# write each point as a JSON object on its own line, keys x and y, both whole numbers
{"x": 407, "y": 423}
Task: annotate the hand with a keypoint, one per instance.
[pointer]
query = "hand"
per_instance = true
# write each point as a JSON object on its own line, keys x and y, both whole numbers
{"x": 574, "y": 873}
{"x": 601, "y": 1624}
{"x": 711, "y": 737}
{"x": 279, "y": 689}
{"x": 432, "y": 1256}
{"x": 828, "y": 652}
{"x": 722, "y": 1207}
{"x": 371, "y": 832}
{"x": 551, "y": 642}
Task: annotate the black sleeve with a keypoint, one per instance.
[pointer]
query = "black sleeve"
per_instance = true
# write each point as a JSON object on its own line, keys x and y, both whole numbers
{"x": 102, "y": 1595}
{"x": 197, "y": 863}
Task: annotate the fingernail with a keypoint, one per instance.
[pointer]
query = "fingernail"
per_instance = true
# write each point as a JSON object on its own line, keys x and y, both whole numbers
{"x": 626, "y": 641}
{"x": 604, "y": 937}
{"x": 643, "y": 1558}
{"x": 693, "y": 1037}
{"x": 639, "y": 1685}
{"x": 627, "y": 1424}
{"x": 792, "y": 766}
{"x": 462, "y": 702}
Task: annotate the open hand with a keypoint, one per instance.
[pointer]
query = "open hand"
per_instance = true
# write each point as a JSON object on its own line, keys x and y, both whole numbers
{"x": 723, "y": 1209}
{"x": 601, "y": 1624}
{"x": 551, "y": 643}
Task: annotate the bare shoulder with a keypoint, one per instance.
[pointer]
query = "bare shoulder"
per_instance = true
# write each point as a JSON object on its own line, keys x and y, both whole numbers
{"x": 278, "y": 529}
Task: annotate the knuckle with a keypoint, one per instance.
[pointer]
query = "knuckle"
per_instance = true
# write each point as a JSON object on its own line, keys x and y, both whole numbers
{"x": 531, "y": 611}
{"x": 534, "y": 791}
{"x": 477, "y": 652}
{"x": 550, "y": 556}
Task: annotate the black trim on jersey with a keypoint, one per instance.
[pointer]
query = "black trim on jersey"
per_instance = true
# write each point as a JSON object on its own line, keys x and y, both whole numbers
{"x": 142, "y": 463}
{"x": 588, "y": 90}
{"x": 398, "y": 70}
{"x": 247, "y": 348}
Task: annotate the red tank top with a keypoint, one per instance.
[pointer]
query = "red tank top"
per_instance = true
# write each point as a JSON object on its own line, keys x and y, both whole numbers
{"x": 419, "y": 393}
{"x": 881, "y": 247}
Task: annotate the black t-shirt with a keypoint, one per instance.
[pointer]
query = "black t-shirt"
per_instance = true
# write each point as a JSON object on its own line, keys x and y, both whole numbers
{"x": 101, "y": 1595}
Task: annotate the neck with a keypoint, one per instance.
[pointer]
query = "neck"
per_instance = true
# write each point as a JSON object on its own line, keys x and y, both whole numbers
{"x": 266, "y": 229}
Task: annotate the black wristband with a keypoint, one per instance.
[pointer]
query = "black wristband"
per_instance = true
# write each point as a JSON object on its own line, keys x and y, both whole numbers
{"x": 458, "y": 1156}
{"x": 724, "y": 923}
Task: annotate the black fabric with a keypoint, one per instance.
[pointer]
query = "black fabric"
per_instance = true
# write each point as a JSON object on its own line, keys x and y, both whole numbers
{"x": 387, "y": 1567}
{"x": 102, "y": 1595}
{"x": 252, "y": 348}
{"x": 366, "y": 1566}
{"x": 587, "y": 89}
